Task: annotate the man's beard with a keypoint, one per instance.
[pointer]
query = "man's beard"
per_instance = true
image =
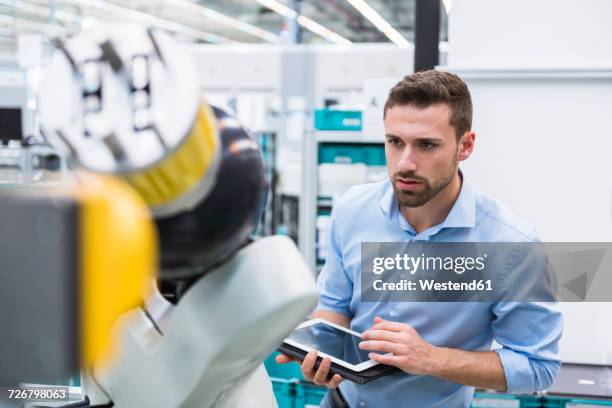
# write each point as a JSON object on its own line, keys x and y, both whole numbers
{"x": 428, "y": 189}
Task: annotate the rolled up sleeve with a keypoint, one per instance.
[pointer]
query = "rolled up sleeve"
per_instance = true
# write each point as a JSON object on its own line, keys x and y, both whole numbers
{"x": 529, "y": 333}
{"x": 334, "y": 283}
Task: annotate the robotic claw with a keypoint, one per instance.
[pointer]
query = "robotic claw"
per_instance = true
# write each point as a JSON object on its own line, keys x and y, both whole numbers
{"x": 124, "y": 100}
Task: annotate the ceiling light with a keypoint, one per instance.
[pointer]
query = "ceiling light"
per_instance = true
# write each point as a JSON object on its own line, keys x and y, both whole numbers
{"x": 380, "y": 23}
{"x": 225, "y": 19}
{"x": 39, "y": 11}
{"x": 304, "y": 21}
{"x": 169, "y": 25}
{"x": 322, "y": 31}
{"x": 447, "y": 5}
{"x": 278, "y": 7}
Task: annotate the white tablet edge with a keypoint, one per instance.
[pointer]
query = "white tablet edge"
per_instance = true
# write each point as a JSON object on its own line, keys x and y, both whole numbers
{"x": 337, "y": 326}
{"x": 357, "y": 368}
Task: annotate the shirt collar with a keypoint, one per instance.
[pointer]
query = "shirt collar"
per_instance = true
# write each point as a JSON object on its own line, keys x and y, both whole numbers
{"x": 462, "y": 214}
{"x": 387, "y": 202}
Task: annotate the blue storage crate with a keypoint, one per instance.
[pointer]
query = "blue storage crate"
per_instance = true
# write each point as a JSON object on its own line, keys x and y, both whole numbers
{"x": 308, "y": 394}
{"x": 330, "y": 119}
{"x": 285, "y": 371}
{"x": 576, "y": 402}
{"x": 284, "y": 392}
{"x": 494, "y": 400}
{"x": 371, "y": 154}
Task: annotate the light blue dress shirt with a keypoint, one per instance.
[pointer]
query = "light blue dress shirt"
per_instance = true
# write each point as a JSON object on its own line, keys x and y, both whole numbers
{"x": 528, "y": 333}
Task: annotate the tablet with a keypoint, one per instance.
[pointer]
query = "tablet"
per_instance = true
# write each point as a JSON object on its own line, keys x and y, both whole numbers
{"x": 338, "y": 343}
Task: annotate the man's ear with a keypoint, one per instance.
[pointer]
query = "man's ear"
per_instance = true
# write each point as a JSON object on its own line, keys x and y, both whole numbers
{"x": 466, "y": 145}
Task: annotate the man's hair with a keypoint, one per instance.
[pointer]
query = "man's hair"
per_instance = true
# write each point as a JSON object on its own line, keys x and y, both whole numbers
{"x": 426, "y": 88}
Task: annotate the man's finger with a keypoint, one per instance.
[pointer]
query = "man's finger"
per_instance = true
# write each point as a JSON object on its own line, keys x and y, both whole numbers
{"x": 387, "y": 325}
{"x": 320, "y": 377}
{"x": 384, "y": 359}
{"x": 283, "y": 359}
{"x": 387, "y": 335}
{"x": 379, "y": 345}
{"x": 308, "y": 364}
{"x": 335, "y": 381}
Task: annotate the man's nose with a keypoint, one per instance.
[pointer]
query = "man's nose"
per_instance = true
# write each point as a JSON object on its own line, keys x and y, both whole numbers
{"x": 407, "y": 161}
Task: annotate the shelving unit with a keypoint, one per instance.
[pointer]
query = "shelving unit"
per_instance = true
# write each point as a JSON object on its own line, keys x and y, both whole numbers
{"x": 340, "y": 148}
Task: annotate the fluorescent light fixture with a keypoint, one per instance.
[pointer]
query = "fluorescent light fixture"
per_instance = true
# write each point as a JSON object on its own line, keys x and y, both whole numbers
{"x": 169, "y": 25}
{"x": 368, "y": 12}
{"x": 40, "y": 11}
{"x": 447, "y": 5}
{"x": 304, "y": 21}
{"x": 279, "y": 8}
{"x": 225, "y": 19}
{"x": 322, "y": 31}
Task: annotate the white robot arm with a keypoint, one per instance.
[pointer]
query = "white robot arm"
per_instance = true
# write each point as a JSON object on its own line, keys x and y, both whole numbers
{"x": 202, "y": 351}
{"x": 125, "y": 100}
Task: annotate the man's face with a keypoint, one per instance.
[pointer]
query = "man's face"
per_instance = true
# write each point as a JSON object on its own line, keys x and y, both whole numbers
{"x": 422, "y": 152}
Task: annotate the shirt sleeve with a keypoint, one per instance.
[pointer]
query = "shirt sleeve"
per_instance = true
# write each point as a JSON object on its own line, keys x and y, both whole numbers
{"x": 529, "y": 334}
{"x": 529, "y": 325}
{"x": 334, "y": 283}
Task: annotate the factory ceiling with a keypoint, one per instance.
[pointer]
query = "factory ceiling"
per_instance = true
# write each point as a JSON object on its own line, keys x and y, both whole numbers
{"x": 215, "y": 21}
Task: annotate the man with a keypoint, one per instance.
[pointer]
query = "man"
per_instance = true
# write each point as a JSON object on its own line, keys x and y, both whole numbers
{"x": 445, "y": 348}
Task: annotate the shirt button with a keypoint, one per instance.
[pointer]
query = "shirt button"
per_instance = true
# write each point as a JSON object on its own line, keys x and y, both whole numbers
{"x": 392, "y": 313}
{"x": 362, "y": 403}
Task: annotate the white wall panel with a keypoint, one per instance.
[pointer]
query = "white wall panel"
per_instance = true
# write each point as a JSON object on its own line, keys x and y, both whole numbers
{"x": 544, "y": 149}
{"x": 528, "y": 33}
{"x": 540, "y": 73}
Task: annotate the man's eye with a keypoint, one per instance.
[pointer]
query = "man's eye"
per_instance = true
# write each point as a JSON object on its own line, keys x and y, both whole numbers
{"x": 394, "y": 142}
{"x": 427, "y": 145}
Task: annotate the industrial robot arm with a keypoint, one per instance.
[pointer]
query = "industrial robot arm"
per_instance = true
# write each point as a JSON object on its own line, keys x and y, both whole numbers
{"x": 125, "y": 100}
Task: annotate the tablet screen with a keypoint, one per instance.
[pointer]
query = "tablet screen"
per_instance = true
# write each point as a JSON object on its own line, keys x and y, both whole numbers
{"x": 332, "y": 341}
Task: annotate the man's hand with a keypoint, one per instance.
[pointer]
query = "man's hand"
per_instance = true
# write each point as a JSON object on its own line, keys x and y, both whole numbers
{"x": 411, "y": 353}
{"x": 320, "y": 377}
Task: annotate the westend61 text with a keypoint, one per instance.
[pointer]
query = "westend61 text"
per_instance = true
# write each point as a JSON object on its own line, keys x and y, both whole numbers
{"x": 430, "y": 284}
